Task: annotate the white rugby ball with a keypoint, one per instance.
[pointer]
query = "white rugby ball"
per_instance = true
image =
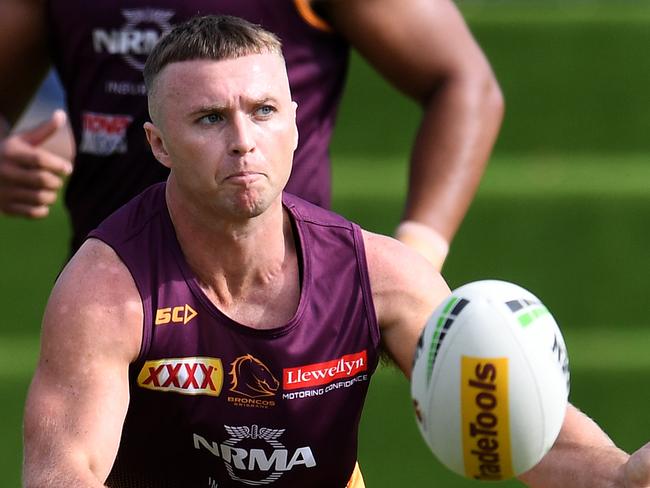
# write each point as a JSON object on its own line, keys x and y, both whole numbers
{"x": 490, "y": 381}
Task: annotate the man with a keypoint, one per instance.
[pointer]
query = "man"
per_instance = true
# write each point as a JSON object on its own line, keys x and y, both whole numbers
{"x": 423, "y": 47}
{"x": 217, "y": 332}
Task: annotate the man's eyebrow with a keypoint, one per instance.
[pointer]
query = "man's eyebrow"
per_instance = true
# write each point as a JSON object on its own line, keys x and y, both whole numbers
{"x": 206, "y": 109}
{"x": 265, "y": 99}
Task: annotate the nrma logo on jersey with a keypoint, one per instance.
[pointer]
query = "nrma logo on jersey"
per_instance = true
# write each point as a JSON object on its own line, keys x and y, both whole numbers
{"x": 254, "y": 455}
{"x": 188, "y": 376}
{"x": 137, "y": 37}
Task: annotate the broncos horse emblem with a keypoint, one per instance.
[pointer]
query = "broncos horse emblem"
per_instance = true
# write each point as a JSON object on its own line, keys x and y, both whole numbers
{"x": 251, "y": 378}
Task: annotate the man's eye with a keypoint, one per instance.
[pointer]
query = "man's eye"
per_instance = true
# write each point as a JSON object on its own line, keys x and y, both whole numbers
{"x": 211, "y": 119}
{"x": 265, "y": 110}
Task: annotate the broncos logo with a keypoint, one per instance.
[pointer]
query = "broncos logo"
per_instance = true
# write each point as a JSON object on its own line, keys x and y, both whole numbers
{"x": 251, "y": 378}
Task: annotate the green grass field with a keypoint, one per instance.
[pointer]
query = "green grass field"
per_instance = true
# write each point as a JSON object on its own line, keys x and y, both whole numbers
{"x": 563, "y": 210}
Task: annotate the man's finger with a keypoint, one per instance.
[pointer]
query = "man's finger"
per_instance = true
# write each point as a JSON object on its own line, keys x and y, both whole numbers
{"x": 15, "y": 175}
{"x": 26, "y": 210}
{"x": 28, "y": 196}
{"x": 21, "y": 153}
{"x": 39, "y": 134}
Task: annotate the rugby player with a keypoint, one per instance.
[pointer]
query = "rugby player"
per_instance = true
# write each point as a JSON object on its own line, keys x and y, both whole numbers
{"x": 177, "y": 338}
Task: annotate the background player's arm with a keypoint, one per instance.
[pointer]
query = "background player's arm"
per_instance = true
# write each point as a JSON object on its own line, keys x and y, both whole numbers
{"x": 79, "y": 395}
{"x": 30, "y": 174}
{"x": 425, "y": 49}
{"x": 24, "y": 54}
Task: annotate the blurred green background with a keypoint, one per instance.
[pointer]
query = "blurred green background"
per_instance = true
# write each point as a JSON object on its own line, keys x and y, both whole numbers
{"x": 563, "y": 210}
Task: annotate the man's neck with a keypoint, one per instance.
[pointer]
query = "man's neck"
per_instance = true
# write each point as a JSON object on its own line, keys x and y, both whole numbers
{"x": 242, "y": 266}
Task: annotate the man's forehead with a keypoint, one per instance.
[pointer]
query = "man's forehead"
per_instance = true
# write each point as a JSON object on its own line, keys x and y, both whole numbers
{"x": 189, "y": 85}
{"x": 252, "y": 68}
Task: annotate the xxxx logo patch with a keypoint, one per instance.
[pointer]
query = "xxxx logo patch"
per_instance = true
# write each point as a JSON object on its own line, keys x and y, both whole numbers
{"x": 188, "y": 376}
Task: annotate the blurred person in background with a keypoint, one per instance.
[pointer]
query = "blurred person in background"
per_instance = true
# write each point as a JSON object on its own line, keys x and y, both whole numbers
{"x": 423, "y": 47}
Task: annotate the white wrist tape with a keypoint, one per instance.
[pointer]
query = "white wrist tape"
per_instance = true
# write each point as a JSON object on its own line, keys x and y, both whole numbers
{"x": 424, "y": 239}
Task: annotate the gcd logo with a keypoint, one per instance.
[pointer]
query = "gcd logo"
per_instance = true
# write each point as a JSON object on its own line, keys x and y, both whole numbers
{"x": 177, "y": 315}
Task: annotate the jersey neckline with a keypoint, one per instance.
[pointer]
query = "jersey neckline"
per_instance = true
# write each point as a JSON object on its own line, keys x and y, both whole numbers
{"x": 304, "y": 265}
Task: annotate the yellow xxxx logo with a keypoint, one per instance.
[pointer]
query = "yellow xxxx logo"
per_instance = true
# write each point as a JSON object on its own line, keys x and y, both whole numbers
{"x": 177, "y": 315}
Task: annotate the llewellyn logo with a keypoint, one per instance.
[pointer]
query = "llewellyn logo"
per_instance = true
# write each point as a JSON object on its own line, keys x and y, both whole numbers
{"x": 188, "y": 376}
{"x": 318, "y": 374}
{"x": 486, "y": 423}
{"x": 253, "y": 382}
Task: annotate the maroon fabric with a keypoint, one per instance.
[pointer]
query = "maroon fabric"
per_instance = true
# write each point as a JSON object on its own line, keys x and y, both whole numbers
{"x": 216, "y": 403}
{"x": 99, "y": 49}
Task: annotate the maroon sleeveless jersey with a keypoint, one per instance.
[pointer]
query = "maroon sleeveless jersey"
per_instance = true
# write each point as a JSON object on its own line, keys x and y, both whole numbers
{"x": 100, "y": 47}
{"x": 214, "y": 403}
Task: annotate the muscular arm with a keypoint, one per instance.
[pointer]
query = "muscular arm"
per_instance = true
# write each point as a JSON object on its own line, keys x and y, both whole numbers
{"x": 79, "y": 394}
{"x": 405, "y": 290}
{"x": 24, "y": 56}
{"x": 583, "y": 456}
{"x": 424, "y": 48}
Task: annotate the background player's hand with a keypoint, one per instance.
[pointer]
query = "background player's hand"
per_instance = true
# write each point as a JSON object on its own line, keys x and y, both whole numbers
{"x": 637, "y": 469}
{"x": 31, "y": 175}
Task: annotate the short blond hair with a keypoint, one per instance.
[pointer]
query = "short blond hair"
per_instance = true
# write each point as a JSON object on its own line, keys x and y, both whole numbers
{"x": 215, "y": 37}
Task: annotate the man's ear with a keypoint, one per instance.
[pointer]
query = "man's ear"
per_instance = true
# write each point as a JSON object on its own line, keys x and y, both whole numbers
{"x": 295, "y": 123}
{"x": 157, "y": 143}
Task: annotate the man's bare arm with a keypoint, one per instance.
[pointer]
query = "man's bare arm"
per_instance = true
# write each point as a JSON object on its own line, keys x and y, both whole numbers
{"x": 79, "y": 395}
{"x": 425, "y": 49}
{"x": 405, "y": 289}
{"x": 583, "y": 456}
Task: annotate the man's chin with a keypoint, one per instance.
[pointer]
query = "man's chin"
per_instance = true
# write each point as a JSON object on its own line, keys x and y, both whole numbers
{"x": 250, "y": 204}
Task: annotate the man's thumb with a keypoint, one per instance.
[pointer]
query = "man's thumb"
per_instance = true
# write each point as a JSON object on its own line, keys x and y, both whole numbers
{"x": 40, "y": 133}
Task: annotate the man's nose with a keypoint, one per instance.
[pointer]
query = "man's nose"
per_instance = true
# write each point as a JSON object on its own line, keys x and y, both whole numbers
{"x": 242, "y": 140}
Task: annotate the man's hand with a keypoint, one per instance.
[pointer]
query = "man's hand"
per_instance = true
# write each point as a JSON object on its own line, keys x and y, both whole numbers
{"x": 637, "y": 469}
{"x": 30, "y": 175}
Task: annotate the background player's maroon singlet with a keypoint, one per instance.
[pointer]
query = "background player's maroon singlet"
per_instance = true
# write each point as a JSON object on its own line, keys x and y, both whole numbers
{"x": 100, "y": 48}
{"x": 217, "y": 404}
